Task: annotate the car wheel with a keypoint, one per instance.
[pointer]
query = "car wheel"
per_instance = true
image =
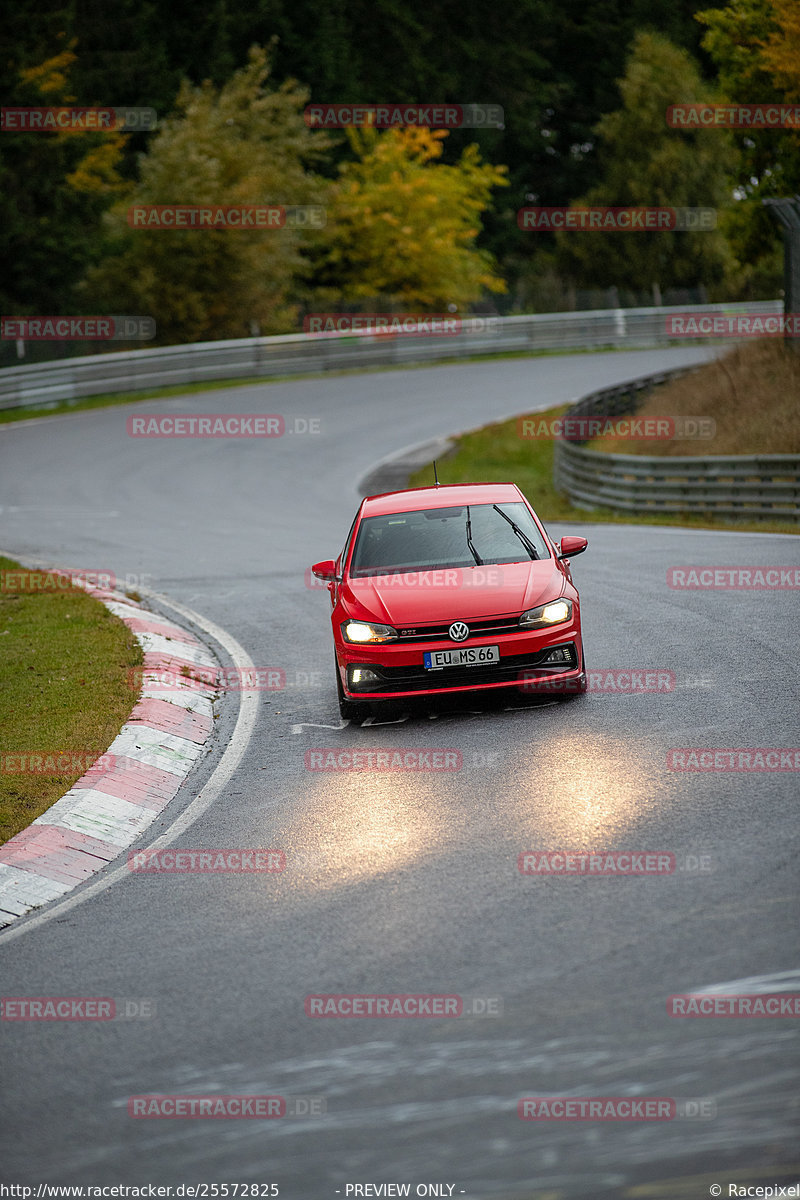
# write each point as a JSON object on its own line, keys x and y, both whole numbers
{"x": 349, "y": 710}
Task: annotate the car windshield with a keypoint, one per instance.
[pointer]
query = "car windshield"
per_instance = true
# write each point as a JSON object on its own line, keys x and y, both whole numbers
{"x": 433, "y": 538}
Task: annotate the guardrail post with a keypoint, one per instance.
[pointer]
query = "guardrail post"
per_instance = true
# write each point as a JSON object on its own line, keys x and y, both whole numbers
{"x": 787, "y": 213}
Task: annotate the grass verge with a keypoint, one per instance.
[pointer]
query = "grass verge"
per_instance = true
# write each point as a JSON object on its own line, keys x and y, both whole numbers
{"x": 752, "y": 395}
{"x": 496, "y": 453}
{"x": 64, "y": 690}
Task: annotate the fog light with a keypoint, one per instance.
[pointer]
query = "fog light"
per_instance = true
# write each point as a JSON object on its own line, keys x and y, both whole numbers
{"x": 362, "y": 676}
{"x": 562, "y": 654}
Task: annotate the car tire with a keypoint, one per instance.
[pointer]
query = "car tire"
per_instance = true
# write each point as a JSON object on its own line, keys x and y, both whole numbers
{"x": 349, "y": 710}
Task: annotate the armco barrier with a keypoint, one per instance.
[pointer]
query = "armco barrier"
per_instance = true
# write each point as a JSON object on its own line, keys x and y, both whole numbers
{"x": 44, "y": 384}
{"x": 752, "y": 485}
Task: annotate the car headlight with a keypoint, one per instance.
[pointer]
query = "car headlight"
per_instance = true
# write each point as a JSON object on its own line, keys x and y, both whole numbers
{"x": 363, "y": 632}
{"x": 553, "y": 613}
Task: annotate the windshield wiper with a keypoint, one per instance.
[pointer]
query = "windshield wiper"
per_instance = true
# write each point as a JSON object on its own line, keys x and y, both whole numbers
{"x": 523, "y": 537}
{"x": 475, "y": 554}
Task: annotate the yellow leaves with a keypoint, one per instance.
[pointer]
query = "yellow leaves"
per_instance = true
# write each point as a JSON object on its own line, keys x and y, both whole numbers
{"x": 405, "y": 223}
{"x": 50, "y": 78}
{"x": 96, "y": 173}
{"x": 780, "y": 52}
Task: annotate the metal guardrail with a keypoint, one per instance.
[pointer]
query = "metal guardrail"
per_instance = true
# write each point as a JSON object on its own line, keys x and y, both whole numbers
{"x": 46, "y": 384}
{"x": 753, "y": 485}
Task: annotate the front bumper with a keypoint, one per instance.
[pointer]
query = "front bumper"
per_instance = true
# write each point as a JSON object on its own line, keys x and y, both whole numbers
{"x": 401, "y": 674}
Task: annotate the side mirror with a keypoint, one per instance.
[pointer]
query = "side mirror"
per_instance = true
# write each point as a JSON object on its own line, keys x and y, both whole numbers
{"x": 325, "y": 570}
{"x": 570, "y": 546}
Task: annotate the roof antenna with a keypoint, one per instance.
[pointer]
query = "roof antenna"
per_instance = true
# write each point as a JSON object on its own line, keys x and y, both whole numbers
{"x": 435, "y": 474}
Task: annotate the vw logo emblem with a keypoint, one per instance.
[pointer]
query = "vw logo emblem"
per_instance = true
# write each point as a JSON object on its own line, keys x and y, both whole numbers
{"x": 458, "y": 631}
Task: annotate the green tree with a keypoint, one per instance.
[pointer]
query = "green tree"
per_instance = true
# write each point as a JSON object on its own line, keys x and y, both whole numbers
{"x": 644, "y": 162}
{"x": 755, "y": 45}
{"x": 48, "y": 228}
{"x": 242, "y": 144}
{"x": 404, "y": 224}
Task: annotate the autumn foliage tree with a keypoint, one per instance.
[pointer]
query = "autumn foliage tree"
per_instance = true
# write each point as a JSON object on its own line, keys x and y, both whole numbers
{"x": 243, "y": 144}
{"x": 403, "y": 225}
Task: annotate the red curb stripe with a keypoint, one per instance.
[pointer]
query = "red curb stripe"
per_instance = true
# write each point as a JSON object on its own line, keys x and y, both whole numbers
{"x": 141, "y": 625}
{"x": 57, "y": 853}
{"x": 171, "y": 718}
{"x": 117, "y": 597}
{"x": 154, "y": 660}
{"x": 135, "y": 781}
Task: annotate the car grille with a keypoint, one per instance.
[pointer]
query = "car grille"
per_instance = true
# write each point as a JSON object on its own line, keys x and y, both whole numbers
{"x": 477, "y": 629}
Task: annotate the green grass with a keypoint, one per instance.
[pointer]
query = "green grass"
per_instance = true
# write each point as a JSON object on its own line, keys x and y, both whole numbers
{"x": 497, "y": 453}
{"x": 64, "y": 661}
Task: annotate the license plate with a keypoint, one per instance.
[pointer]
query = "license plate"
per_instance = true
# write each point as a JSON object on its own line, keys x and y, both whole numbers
{"x": 465, "y": 656}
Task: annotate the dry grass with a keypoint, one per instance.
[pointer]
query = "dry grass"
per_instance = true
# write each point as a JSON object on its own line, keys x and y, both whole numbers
{"x": 752, "y": 394}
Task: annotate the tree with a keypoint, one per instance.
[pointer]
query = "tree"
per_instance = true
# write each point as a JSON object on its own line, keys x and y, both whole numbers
{"x": 48, "y": 228}
{"x": 404, "y": 224}
{"x": 242, "y": 144}
{"x": 755, "y": 45}
{"x": 644, "y": 162}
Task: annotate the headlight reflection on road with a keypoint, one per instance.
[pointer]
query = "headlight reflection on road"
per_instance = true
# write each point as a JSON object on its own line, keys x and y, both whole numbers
{"x": 592, "y": 790}
{"x": 361, "y": 826}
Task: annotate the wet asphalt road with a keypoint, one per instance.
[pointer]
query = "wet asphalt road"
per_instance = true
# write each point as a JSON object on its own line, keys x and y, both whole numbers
{"x": 408, "y": 882}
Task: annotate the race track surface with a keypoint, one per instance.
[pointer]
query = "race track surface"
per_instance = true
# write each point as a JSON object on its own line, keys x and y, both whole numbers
{"x": 407, "y": 882}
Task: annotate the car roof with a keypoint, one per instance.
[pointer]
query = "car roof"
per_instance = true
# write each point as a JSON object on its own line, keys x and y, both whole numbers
{"x": 445, "y": 496}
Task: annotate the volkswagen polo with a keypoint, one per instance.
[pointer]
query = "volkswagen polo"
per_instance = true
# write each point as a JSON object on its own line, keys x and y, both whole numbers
{"x": 451, "y": 589}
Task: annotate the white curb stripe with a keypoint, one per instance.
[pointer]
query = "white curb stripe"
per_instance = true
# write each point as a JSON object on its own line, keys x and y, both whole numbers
{"x": 101, "y": 815}
{"x": 153, "y": 643}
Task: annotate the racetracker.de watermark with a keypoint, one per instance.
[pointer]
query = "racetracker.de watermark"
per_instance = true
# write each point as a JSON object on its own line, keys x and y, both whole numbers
{"x": 65, "y": 579}
{"x": 66, "y": 119}
{"x": 393, "y": 116}
{"x": 241, "y": 1107}
{"x": 76, "y": 1008}
{"x": 222, "y": 679}
{"x": 602, "y": 219}
{"x": 733, "y": 116}
{"x": 767, "y": 578}
{"x": 207, "y": 862}
{"x": 220, "y": 425}
{"x": 727, "y": 325}
{"x": 615, "y": 681}
{"x": 709, "y": 758}
{"x": 408, "y": 324}
{"x": 57, "y": 762}
{"x": 77, "y": 329}
{"x": 583, "y": 428}
{"x": 607, "y": 862}
{"x": 614, "y": 1108}
{"x": 226, "y": 216}
{"x": 458, "y": 578}
{"x": 735, "y": 1005}
{"x": 399, "y": 1005}
{"x": 387, "y": 759}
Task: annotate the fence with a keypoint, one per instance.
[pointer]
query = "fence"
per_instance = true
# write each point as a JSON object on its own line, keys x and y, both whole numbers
{"x": 757, "y": 485}
{"x": 47, "y": 384}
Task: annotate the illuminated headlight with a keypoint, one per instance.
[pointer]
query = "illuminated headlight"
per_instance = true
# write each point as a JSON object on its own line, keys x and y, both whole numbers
{"x": 362, "y": 632}
{"x": 553, "y": 613}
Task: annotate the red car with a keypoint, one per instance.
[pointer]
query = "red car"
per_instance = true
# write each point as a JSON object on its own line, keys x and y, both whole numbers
{"x": 448, "y": 589}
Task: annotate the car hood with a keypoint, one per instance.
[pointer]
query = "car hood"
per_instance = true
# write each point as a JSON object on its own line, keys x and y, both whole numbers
{"x": 453, "y": 594}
